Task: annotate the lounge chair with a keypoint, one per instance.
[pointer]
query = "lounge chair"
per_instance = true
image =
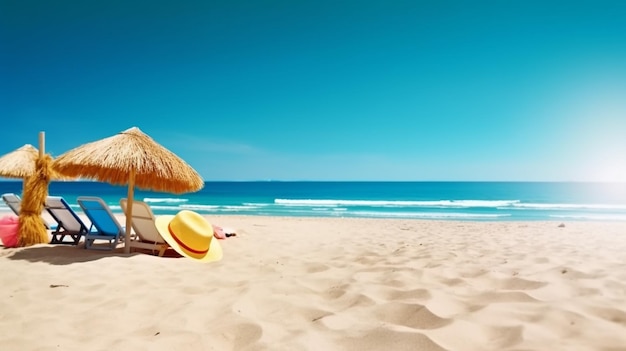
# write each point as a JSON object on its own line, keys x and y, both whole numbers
{"x": 147, "y": 235}
{"x": 68, "y": 222}
{"x": 104, "y": 225}
{"x": 14, "y": 202}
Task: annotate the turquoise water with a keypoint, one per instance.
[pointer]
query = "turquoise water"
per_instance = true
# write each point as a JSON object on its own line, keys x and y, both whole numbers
{"x": 484, "y": 201}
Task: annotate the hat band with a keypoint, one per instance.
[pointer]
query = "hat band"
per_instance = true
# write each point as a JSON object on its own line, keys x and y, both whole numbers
{"x": 182, "y": 244}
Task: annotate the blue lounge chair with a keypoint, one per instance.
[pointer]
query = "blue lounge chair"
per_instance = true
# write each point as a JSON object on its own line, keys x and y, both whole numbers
{"x": 68, "y": 222}
{"x": 104, "y": 225}
{"x": 14, "y": 202}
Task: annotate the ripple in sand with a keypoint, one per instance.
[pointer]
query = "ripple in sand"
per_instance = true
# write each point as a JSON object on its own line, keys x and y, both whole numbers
{"x": 350, "y": 300}
{"x": 386, "y": 339}
{"x": 419, "y": 294}
{"x": 193, "y": 290}
{"x": 472, "y": 272}
{"x": 396, "y": 283}
{"x": 500, "y": 337}
{"x": 452, "y": 281}
{"x": 381, "y": 268}
{"x": 335, "y": 292}
{"x": 315, "y": 268}
{"x": 433, "y": 264}
{"x": 410, "y": 315}
{"x": 570, "y": 273}
{"x": 610, "y": 314}
{"x": 520, "y": 284}
{"x": 360, "y": 300}
{"x": 477, "y": 336}
{"x": 245, "y": 334}
{"x": 336, "y": 322}
{"x": 232, "y": 335}
{"x": 172, "y": 339}
{"x": 509, "y": 296}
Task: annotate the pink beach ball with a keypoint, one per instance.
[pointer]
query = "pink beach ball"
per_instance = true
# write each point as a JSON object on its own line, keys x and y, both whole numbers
{"x": 8, "y": 230}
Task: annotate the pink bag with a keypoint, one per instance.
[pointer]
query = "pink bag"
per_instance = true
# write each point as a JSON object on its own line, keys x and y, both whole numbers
{"x": 218, "y": 232}
{"x": 222, "y": 233}
{"x": 8, "y": 230}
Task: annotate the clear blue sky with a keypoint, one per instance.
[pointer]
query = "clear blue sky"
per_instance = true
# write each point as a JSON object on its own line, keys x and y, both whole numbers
{"x": 327, "y": 90}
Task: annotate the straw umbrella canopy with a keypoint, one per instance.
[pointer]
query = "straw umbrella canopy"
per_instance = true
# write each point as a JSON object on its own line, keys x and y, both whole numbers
{"x": 34, "y": 166}
{"x": 19, "y": 163}
{"x": 26, "y": 163}
{"x": 130, "y": 158}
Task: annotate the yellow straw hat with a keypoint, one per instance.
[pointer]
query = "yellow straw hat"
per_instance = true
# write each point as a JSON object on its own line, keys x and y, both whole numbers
{"x": 191, "y": 235}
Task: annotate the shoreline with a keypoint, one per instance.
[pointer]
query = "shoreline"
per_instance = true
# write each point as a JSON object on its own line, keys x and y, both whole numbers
{"x": 483, "y": 201}
{"x": 121, "y": 218}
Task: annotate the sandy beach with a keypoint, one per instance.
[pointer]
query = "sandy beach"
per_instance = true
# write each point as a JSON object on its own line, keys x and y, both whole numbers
{"x": 330, "y": 284}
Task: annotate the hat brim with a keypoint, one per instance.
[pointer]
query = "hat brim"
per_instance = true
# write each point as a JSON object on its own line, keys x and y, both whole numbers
{"x": 215, "y": 250}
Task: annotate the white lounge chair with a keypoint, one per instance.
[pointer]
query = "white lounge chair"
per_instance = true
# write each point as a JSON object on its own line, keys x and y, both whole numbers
{"x": 147, "y": 235}
{"x": 68, "y": 222}
{"x": 14, "y": 202}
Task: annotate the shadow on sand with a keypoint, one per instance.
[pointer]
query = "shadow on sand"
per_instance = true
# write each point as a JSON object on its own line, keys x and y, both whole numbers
{"x": 63, "y": 254}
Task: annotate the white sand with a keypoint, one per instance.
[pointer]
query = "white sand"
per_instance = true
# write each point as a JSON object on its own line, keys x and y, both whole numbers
{"x": 330, "y": 284}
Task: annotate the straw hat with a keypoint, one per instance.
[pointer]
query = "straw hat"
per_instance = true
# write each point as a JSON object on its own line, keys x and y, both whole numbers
{"x": 190, "y": 235}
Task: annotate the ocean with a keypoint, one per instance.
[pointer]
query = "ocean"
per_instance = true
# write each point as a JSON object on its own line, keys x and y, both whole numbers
{"x": 476, "y": 201}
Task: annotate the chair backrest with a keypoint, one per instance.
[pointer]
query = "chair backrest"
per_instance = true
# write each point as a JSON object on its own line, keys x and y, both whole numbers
{"x": 100, "y": 215}
{"x": 13, "y": 201}
{"x": 143, "y": 221}
{"x": 15, "y": 204}
{"x": 63, "y": 214}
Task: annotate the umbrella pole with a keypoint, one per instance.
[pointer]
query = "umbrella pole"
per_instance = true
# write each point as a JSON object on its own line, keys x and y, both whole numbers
{"x": 42, "y": 144}
{"x": 42, "y": 152}
{"x": 35, "y": 190}
{"x": 129, "y": 210}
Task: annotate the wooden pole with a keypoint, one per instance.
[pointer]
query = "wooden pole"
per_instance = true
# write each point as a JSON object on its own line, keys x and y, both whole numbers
{"x": 42, "y": 144}
{"x": 129, "y": 210}
{"x": 35, "y": 191}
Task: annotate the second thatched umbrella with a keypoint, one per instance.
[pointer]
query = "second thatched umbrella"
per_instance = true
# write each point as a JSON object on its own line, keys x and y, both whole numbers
{"x": 134, "y": 159}
{"x": 27, "y": 163}
{"x": 33, "y": 166}
{"x": 19, "y": 163}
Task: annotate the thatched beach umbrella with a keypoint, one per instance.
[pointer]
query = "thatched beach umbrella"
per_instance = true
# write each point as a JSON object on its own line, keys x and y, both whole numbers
{"x": 25, "y": 163}
{"x": 19, "y": 163}
{"x": 34, "y": 167}
{"x": 130, "y": 158}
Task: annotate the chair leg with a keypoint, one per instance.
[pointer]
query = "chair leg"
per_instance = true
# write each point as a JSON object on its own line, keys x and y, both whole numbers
{"x": 59, "y": 238}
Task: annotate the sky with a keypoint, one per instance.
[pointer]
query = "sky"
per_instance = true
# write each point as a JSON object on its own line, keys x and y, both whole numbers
{"x": 327, "y": 90}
